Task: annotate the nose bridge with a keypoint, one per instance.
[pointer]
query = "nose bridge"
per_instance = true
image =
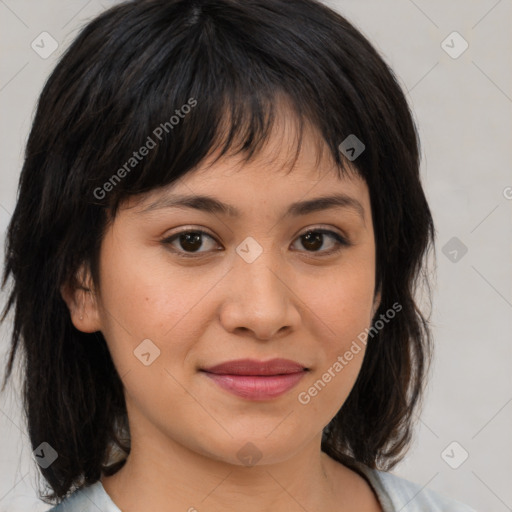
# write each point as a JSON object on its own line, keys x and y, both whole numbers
{"x": 260, "y": 279}
{"x": 258, "y": 298}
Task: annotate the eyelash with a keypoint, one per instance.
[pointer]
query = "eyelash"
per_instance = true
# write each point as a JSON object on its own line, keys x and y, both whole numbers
{"x": 341, "y": 242}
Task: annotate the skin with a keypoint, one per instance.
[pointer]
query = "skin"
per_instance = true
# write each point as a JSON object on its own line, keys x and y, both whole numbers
{"x": 290, "y": 302}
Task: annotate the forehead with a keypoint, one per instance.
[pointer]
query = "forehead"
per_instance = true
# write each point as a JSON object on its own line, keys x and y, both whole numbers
{"x": 240, "y": 190}
{"x": 291, "y": 146}
{"x": 287, "y": 167}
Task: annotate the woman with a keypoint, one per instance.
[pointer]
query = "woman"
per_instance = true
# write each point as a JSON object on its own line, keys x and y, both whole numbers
{"x": 215, "y": 251}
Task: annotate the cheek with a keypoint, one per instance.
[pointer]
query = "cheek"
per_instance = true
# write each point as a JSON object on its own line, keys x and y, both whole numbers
{"x": 342, "y": 313}
{"x": 138, "y": 291}
{"x": 149, "y": 301}
{"x": 340, "y": 344}
{"x": 342, "y": 303}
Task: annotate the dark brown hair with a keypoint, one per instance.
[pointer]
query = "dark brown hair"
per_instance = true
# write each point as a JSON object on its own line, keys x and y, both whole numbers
{"x": 128, "y": 72}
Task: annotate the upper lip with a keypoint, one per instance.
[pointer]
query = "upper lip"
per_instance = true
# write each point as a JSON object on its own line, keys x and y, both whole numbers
{"x": 255, "y": 367}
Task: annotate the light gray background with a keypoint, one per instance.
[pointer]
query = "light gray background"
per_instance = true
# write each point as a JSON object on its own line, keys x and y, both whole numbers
{"x": 463, "y": 108}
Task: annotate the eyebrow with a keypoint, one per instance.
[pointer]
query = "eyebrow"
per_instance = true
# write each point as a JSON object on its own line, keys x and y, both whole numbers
{"x": 214, "y": 206}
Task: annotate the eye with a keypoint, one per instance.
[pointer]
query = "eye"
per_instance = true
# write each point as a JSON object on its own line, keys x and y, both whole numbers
{"x": 188, "y": 243}
{"x": 314, "y": 241}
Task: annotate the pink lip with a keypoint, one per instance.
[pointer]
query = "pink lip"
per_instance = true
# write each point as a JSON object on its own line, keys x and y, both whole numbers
{"x": 257, "y": 387}
{"x": 257, "y": 380}
{"x": 255, "y": 367}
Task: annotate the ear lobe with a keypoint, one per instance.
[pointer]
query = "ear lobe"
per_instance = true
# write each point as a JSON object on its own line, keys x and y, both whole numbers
{"x": 81, "y": 302}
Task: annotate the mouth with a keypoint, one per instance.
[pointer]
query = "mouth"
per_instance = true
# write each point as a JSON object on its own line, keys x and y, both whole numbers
{"x": 256, "y": 368}
{"x": 257, "y": 380}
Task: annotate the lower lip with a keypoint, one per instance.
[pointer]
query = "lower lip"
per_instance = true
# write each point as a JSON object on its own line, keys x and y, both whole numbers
{"x": 254, "y": 387}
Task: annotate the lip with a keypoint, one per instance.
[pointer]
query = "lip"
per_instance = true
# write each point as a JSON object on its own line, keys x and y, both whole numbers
{"x": 255, "y": 367}
{"x": 257, "y": 380}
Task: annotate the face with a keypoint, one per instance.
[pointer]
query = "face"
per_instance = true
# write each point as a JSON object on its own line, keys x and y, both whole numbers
{"x": 185, "y": 288}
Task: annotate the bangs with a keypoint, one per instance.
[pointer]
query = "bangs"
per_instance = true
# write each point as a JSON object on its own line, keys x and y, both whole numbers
{"x": 184, "y": 91}
{"x": 241, "y": 129}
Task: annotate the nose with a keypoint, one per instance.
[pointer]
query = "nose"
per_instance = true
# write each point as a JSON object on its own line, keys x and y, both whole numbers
{"x": 258, "y": 300}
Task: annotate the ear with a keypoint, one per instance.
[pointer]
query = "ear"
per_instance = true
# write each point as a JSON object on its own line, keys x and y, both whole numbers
{"x": 82, "y": 303}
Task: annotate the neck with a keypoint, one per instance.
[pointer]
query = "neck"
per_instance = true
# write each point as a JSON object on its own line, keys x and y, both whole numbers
{"x": 161, "y": 474}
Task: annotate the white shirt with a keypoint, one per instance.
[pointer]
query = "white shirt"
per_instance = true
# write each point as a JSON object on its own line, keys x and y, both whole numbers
{"x": 394, "y": 493}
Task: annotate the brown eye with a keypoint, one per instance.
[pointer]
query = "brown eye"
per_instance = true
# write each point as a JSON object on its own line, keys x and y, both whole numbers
{"x": 314, "y": 241}
{"x": 189, "y": 242}
{"x": 194, "y": 243}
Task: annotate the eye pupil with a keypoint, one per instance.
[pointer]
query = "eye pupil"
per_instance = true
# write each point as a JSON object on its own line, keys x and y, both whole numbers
{"x": 311, "y": 240}
{"x": 189, "y": 241}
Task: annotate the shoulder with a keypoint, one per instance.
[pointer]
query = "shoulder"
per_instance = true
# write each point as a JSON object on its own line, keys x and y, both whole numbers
{"x": 87, "y": 499}
{"x": 396, "y": 493}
